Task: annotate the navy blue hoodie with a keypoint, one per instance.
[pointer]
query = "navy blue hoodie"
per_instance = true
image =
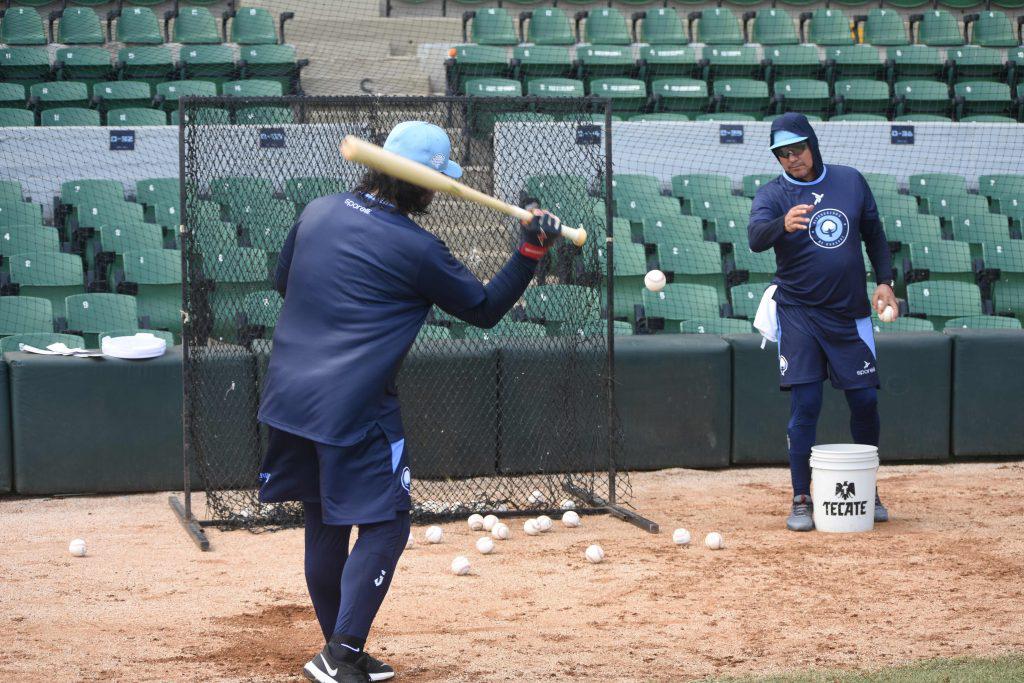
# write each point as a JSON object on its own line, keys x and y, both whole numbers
{"x": 823, "y": 265}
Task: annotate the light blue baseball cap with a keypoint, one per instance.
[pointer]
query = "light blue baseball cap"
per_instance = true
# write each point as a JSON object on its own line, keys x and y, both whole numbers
{"x": 425, "y": 143}
{"x": 784, "y": 137}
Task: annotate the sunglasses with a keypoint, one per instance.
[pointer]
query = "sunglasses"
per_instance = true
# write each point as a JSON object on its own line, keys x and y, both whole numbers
{"x": 795, "y": 149}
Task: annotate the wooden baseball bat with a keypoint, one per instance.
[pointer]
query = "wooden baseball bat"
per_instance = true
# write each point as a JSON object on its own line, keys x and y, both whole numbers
{"x": 369, "y": 154}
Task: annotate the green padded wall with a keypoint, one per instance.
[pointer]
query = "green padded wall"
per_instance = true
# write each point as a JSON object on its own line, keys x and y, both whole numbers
{"x": 988, "y": 381}
{"x": 913, "y": 402}
{"x": 5, "y": 429}
{"x": 96, "y": 425}
{"x": 672, "y": 392}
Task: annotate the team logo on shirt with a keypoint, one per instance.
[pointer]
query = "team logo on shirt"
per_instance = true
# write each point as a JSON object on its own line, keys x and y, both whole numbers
{"x": 783, "y": 365}
{"x": 829, "y": 228}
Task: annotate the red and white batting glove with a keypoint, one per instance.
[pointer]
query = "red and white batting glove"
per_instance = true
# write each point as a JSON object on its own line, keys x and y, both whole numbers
{"x": 539, "y": 234}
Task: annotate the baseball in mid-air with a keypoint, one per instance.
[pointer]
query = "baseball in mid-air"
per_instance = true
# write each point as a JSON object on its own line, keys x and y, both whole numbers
{"x": 888, "y": 315}
{"x": 460, "y": 565}
{"x": 77, "y": 547}
{"x": 571, "y": 519}
{"x": 714, "y": 541}
{"x": 433, "y": 534}
{"x": 654, "y": 280}
{"x": 489, "y": 522}
{"x": 530, "y": 527}
{"x": 544, "y": 523}
{"x": 536, "y": 497}
{"x": 411, "y": 542}
{"x": 501, "y": 532}
{"x": 485, "y": 545}
{"x": 681, "y": 537}
{"x": 595, "y": 554}
{"x": 476, "y": 522}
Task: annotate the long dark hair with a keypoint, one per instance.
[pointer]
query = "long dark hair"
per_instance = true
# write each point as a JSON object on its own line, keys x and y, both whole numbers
{"x": 408, "y": 199}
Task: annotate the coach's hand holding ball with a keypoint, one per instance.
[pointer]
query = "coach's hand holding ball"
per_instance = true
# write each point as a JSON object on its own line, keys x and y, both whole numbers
{"x": 796, "y": 218}
{"x": 886, "y": 304}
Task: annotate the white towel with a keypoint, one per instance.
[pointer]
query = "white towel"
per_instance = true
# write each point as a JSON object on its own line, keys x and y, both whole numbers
{"x": 767, "y": 318}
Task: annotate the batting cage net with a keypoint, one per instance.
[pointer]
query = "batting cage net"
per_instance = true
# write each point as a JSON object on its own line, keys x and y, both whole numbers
{"x": 514, "y": 418}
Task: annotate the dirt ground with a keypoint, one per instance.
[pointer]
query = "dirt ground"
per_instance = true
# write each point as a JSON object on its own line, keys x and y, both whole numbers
{"x": 944, "y": 578}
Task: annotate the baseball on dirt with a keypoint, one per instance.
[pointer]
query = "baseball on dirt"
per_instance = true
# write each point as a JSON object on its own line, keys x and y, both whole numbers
{"x": 475, "y": 522}
{"x": 714, "y": 541}
{"x": 530, "y": 527}
{"x": 888, "y": 315}
{"x": 571, "y": 519}
{"x": 460, "y": 565}
{"x": 411, "y": 542}
{"x": 489, "y": 522}
{"x": 544, "y": 523}
{"x": 536, "y": 497}
{"x": 433, "y": 534}
{"x": 681, "y": 537}
{"x": 568, "y": 504}
{"x": 654, "y": 280}
{"x": 595, "y": 554}
{"x": 77, "y": 548}
{"x": 501, "y": 532}
{"x": 485, "y": 545}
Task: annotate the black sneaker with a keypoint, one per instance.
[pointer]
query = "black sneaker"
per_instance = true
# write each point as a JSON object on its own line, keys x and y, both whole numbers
{"x": 881, "y": 512}
{"x": 326, "y": 669}
{"x": 374, "y": 668}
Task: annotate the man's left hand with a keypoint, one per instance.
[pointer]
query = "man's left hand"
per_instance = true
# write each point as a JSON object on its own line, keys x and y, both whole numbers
{"x": 884, "y": 296}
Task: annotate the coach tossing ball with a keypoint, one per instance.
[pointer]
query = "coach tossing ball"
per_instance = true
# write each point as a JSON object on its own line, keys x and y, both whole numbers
{"x": 654, "y": 280}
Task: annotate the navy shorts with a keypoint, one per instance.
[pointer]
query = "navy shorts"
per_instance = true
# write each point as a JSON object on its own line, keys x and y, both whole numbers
{"x": 365, "y": 483}
{"x": 815, "y": 344}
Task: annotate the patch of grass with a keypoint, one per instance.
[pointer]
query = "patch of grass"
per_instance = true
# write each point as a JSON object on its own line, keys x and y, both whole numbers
{"x": 1005, "y": 669}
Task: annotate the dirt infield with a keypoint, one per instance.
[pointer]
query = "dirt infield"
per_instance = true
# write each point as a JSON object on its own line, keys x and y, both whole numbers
{"x": 942, "y": 579}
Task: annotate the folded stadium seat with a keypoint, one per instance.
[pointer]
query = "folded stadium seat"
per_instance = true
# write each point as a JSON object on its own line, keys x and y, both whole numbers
{"x": 273, "y": 62}
{"x": 664, "y": 61}
{"x": 1004, "y": 261}
{"x": 264, "y": 116}
{"x": 541, "y": 61}
{"x": 973, "y": 63}
{"x": 627, "y": 95}
{"x": 922, "y": 97}
{"x": 939, "y": 300}
{"x": 604, "y": 26}
{"x": 22, "y": 26}
{"x": 254, "y": 87}
{"x": 937, "y": 28}
{"x": 25, "y": 314}
{"x": 753, "y": 183}
{"x": 21, "y": 213}
{"x": 78, "y": 26}
{"x": 84, "y": 191}
{"x": 605, "y": 61}
{"x": 693, "y": 262}
{"x": 828, "y": 27}
{"x": 983, "y": 322}
{"x": 726, "y": 116}
{"x": 252, "y": 25}
{"x": 208, "y": 62}
{"x": 12, "y": 95}
{"x": 630, "y": 269}
{"x": 151, "y": 64}
{"x": 301, "y": 191}
{"x": 927, "y": 185}
{"x": 111, "y": 243}
{"x": 97, "y": 213}
{"x": 47, "y": 275}
{"x": 22, "y": 239}
{"x": 474, "y": 61}
{"x": 741, "y": 95}
{"x": 810, "y": 117}
{"x": 635, "y": 185}
{"x": 136, "y": 117}
{"x": 910, "y": 62}
{"x": 660, "y": 26}
{"x": 946, "y": 260}
{"x": 491, "y": 26}
{"x": 978, "y": 228}
{"x": 236, "y": 272}
{"x": 746, "y": 298}
{"x": 555, "y": 87}
{"x": 58, "y": 94}
{"x": 554, "y": 305}
{"x": 85, "y": 64}
{"x": 260, "y": 311}
{"x": 547, "y": 26}
{"x": 480, "y": 113}
{"x": 772, "y": 27}
{"x": 638, "y": 209}
{"x": 657, "y": 116}
{"x": 267, "y": 224}
{"x": 11, "y": 190}
{"x": 598, "y": 328}
{"x": 192, "y": 26}
{"x": 69, "y": 116}
{"x": 672, "y": 229}
{"x": 732, "y": 62}
{"x": 716, "y": 326}
{"x": 135, "y": 26}
{"x": 90, "y": 314}
{"x": 1000, "y": 187}
{"x": 225, "y": 189}
{"x": 882, "y": 183}
{"x": 679, "y": 302}
{"x": 728, "y": 224}
{"x": 860, "y": 96}
{"x": 792, "y": 61}
{"x": 121, "y": 94}
{"x": 902, "y": 325}
{"x": 694, "y": 187}
{"x": 555, "y": 188}
{"x": 213, "y": 237}
{"x": 525, "y": 117}
{"x": 853, "y": 61}
{"x": 902, "y": 231}
{"x": 172, "y": 91}
{"x": 40, "y": 340}
{"x": 882, "y": 27}
{"x": 982, "y": 97}
{"x": 716, "y": 26}
{"x": 154, "y": 275}
{"x": 990, "y": 29}
{"x": 206, "y": 117}
{"x": 802, "y": 95}
{"x": 26, "y": 65}
{"x": 948, "y": 207}
{"x": 1008, "y": 298}
{"x": 687, "y": 95}
{"x": 987, "y": 118}
{"x": 747, "y": 266}
{"x": 896, "y": 205}
{"x": 505, "y": 329}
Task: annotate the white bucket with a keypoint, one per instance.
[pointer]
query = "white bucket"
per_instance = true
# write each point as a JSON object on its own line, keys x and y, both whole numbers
{"x": 843, "y": 487}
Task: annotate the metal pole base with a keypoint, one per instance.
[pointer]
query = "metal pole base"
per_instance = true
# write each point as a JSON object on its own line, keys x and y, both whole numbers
{"x": 191, "y": 525}
{"x": 615, "y": 510}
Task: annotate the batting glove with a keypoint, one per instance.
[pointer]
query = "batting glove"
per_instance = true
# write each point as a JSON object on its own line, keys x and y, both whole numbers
{"x": 539, "y": 234}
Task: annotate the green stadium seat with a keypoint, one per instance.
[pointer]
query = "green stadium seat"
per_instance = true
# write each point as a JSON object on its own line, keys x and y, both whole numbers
{"x": 973, "y": 63}
{"x": 1006, "y": 256}
{"x": 504, "y": 330}
{"x": 273, "y": 62}
{"x": 135, "y": 26}
{"x": 152, "y": 191}
{"x": 555, "y": 87}
{"x": 773, "y": 27}
{"x": 226, "y": 189}
{"x": 555, "y": 188}
{"x": 25, "y": 314}
{"x": 638, "y": 209}
{"x": 853, "y": 61}
{"x": 981, "y": 227}
{"x": 924, "y": 118}
{"x": 491, "y": 26}
{"x": 658, "y": 116}
{"x": 688, "y": 95}
{"x": 749, "y": 266}
{"x": 69, "y": 116}
{"x": 264, "y": 116}
{"x": 11, "y": 191}
{"x": 883, "y": 27}
{"x": 740, "y": 61}
{"x": 172, "y": 91}
{"x": 474, "y": 61}
{"x": 208, "y": 62}
{"x": 192, "y": 26}
{"x": 948, "y": 207}
{"x": 991, "y": 29}
{"x": 672, "y": 229}
{"x": 630, "y": 269}
{"x": 792, "y": 61}
{"x": 27, "y": 65}
{"x": 556, "y": 305}
{"x": 78, "y": 26}
{"x": 940, "y": 300}
{"x": 678, "y": 302}
{"x": 693, "y": 262}
{"x": 121, "y": 94}
{"x": 251, "y": 26}
{"x": 156, "y": 276}
{"x": 746, "y": 298}
{"x": 1008, "y": 298}
{"x": 999, "y": 187}
{"x": 302, "y": 191}
{"x": 600, "y": 328}
{"x": 86, "y": 64}
{"x": 85, "y": 191}
{"x": 944, "y": 260}
{"x": 664, "y": 61}
{"x": 908, "y": 229}
{"x": 260, "y": 311}
{"x": 90, "y": 314}
{"x": 22, "y": 26}
{"x": 206, "y": 117}
{"x": 40, "y": 340}
{"x": 113, "y": 241}
{"x": 268, "y": 224}
{"x": 803, "y": 95}
{"x": 12, "y": 118}
{"x": 23, "y": 239}
{"x": 699, "y": 185}
{"x": 429, "y": 333}
{"x": 987, "y": 118}
{"x": 253, "y": 87}
{"x": 753, "y": 183}
{"x": 661, "y": 26}
{"x": 237, "y": 271}
{"x": 136, "y": 117}
{"x": 937, "y": 28}
{"x": 923, "y": 97}
{"x": 982, "y": 322}
{"x": 605, "y": 61}
{"x": 12, "y": 95}
{"x": 149, "y": 63}
{"x": 1014, "y": 208}
{"x": 902, "y": 325}
{"x": 21, "y": 213}
{"x": 828, "y": 27}
{"x": 547, "y": 26}
{"x": 47, "y": 275}
{"x": 927, "y": 185}
{"x": 915, "y": 62}
{"x": 716, "y": 26}
{"x": 213, "y": 237}
{"x": 981, "y": 97}
{"x": 716, "y": 326}
{"x": 541, "y": 61}
{"x": 728, "y": 229}
{"x": 94, "y": 214}
{"x": 604, "y": 26}
{"x": 861, "y": 96}
{"x": 626, "y": 94}
{"x": 634, "y": 185}
{"x": 726, "y": 116}
{"x": 741, "y": 95}
{"x": 58, "y": 94}
{"x": 899, "y": 205}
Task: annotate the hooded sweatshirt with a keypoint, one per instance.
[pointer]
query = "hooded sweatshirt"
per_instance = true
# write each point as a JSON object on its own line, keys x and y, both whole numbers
{"x": 823, "y": 265}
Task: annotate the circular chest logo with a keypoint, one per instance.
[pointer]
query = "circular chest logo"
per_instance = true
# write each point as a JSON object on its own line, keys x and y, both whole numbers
{"x": 406, "y": 479}
{"x": 829, "y": 228}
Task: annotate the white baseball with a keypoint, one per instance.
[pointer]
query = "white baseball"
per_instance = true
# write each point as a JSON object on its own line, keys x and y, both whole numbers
{"x": 536, "y": 497}
{"x": 530, "y": 527}
{"x": 595, "y": 554}
{"x": 411, "y": 542}
{"x": 681, "y": 537}
{"x": 433, "y": 534}
{"x": 77, "y": 548}
{"x": 489, "y": 522}
{"x": 654, "y": 280}
{"x": 568, "y": 504}
{"x": 485, "y": 545}
{"x": 544, "y": 523}
{"x": 714, "y": 541}
{"x": 571, "y": 519}
{"x": 476, "y": 522}
{"x": 460, "y": 565}
{"x": 888, "y": 315}
{"x": 501, "y": 532}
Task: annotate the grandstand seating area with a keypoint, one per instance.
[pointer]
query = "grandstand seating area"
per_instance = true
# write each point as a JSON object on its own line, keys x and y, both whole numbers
{"x": 74, "y": 67}
{"x": 715, "y": 64}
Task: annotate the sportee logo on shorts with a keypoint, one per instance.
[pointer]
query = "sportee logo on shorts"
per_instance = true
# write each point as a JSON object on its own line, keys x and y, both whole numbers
{"x": 829, "y": 228}
{"x": 867, "y": 369}
{"x": 845, "y": 507}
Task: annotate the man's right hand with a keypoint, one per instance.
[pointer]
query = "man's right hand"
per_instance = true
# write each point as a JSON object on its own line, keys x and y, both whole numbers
{"x": 538, "y": 234}
{"x": 796, "y": 218}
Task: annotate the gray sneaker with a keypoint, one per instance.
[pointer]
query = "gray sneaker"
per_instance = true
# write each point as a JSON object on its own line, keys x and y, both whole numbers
{"x": 800, "y": 518}
{"x": 881, "y": 512}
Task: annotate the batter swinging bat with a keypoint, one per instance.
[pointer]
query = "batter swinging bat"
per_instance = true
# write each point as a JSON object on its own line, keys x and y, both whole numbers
{"x": 369, "y": 154}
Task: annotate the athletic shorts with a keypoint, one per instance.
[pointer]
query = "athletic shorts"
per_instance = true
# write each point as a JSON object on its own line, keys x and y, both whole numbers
{"x": 815, "y": 344}
{"x": 365, "y": 483}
